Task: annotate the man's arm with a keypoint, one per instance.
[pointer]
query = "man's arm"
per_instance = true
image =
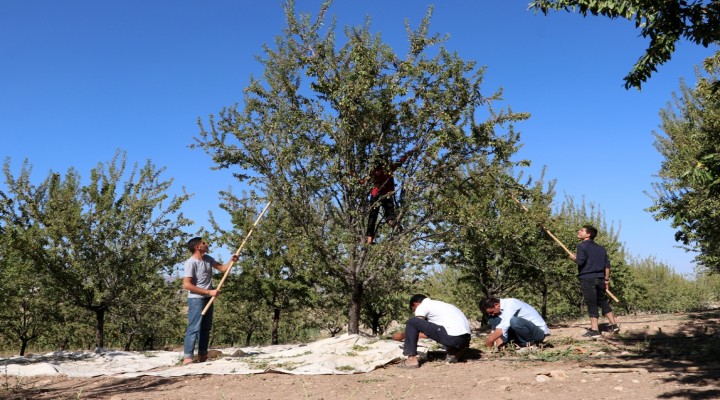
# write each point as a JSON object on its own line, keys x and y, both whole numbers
{"x": 495, "y": 338}
{"x": 227, "y": 265}
{"x": 580, "y": 256}
{"x": 188, "y": 285}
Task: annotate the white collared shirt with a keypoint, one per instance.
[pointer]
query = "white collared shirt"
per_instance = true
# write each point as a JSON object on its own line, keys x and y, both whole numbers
{"x": 445, "y": 315}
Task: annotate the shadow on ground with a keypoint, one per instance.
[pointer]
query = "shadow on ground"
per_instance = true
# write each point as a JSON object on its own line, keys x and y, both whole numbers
{"x": 689, "y": 356}
{"x": 86, "y": 389}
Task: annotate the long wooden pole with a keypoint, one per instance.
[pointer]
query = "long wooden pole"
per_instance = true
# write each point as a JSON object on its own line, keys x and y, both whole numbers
{"x": 571, "y": 254}
{"x": 237, "y": 253}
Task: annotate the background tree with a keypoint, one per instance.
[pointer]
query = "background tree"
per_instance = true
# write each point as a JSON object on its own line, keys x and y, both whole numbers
{"x": 665, "y": 22}
{"x": 274, "y": 273}
{"x": 687, "y": 193}
{"x": 493, "y": 236}
{"x": 659, "y": 288}
{"x": 99, "y": 240}
{"x": 386, "y": 300}
{"x": 29, "y": 305}
{"x": 149, "y": 314}
{"x": 237, "y": 320}
{"x": 325, "y": 116}
{"x": 328, "y": 307}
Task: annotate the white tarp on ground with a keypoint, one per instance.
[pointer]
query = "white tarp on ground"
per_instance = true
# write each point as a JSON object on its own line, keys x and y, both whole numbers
{"x": 346, "y": 354}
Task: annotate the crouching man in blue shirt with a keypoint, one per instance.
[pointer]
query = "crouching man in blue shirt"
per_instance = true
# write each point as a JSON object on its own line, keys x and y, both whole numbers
{"x": 512, "y": 320}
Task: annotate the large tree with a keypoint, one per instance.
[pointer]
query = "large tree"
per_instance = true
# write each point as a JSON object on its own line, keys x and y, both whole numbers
{"x": 310, "y": 134}
{"x": 99, "y": 240}
{"x": 665, "y": 22}
{"x": 687, "y": 193}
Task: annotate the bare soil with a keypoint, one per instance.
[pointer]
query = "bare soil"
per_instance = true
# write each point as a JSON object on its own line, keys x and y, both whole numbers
{"x": 668, "y": 356}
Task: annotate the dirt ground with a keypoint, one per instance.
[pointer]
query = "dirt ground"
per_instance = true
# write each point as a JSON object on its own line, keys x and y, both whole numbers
{"x": 668, "y": 356}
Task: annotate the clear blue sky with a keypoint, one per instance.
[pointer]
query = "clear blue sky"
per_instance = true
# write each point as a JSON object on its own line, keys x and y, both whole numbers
{"x": 80, "y": 79}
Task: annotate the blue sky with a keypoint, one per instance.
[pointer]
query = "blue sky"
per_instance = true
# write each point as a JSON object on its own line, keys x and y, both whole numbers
{"x": 80, "y": 79}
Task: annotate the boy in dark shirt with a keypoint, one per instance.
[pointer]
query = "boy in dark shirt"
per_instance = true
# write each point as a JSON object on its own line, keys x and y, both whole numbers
{"x": 594, "y": 274}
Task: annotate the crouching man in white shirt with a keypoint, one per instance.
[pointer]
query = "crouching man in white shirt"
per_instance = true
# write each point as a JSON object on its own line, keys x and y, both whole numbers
{"x": 512, "y": 320}
{"x": 437, "y": 320}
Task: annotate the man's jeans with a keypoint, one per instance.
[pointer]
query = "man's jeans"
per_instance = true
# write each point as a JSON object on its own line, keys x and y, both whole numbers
{"x": 593, "y": 291}
{"x": 521, "y": 330}
{"x": 435, "y": 332}
{"x": 199, "y": 326}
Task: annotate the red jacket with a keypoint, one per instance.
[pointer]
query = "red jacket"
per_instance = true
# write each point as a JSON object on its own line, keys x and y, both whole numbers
{"x": 382, "y": 178}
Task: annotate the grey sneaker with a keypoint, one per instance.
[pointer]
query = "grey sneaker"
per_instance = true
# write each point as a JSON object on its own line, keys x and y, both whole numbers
{"x": 591, "y": 334}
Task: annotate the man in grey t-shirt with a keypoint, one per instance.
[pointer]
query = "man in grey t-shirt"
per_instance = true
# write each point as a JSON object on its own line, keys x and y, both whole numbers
{"x": 197, "y": 281}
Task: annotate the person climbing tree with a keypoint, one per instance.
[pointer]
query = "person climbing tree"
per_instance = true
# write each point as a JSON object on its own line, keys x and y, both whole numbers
{"x": 382, "y": 194}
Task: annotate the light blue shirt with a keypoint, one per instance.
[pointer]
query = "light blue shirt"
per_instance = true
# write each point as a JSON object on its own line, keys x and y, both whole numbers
{"x": 515, "y": 308}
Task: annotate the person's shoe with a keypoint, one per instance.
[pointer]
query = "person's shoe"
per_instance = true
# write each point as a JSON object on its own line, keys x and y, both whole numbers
{"x": 614, "y": 328}
{"x": 452, "y": 359}
{"x": 455, "y": 355}
{"x": 202, "y": 358}
{"x": 187, "y": 361}
{"x": 591, "y": 333}
{"x": 406, "y": 365}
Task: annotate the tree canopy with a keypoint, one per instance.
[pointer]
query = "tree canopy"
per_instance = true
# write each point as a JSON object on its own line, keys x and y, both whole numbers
{"x": 687, "y": 193}
{"x": 100, "y": 240}
{"x": 664, "y": 22}
{"x": 327, "y": 114}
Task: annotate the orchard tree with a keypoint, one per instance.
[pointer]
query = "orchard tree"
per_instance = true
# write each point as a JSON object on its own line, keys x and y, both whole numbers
{"x": 387, "y": 299}
{"x": 29, "y": 304}
{"x": 665, "y": 22}
{"x": 689, "y": 189}
{"x": 691, "y": 172}
{"x": 493, "y": 231}
{"x": 99, "y": 240}
{"x": 660, "y": 288}
{"x": 148, "y": 314}
{"x": 273, "y": 272}
{"x": 326, "y": 115}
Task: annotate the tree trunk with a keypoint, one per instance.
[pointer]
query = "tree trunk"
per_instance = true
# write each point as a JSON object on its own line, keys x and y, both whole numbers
{"x": 100, "y": 329}
{"x": 354, "y": 313}
{"x": 544, "y": 300}
{"x": 128, "y": 340}
{"x": 248, "y": 337}
{"x": 23, "y": 346}
{"x": 275, "y": 325}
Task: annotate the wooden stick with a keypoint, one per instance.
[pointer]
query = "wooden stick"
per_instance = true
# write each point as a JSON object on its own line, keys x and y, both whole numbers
{"x": 571, "y": 254}
{"x": 613, "y": 370}
{"x": 237, "y": 253}
{"x": 612, "y": 296}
